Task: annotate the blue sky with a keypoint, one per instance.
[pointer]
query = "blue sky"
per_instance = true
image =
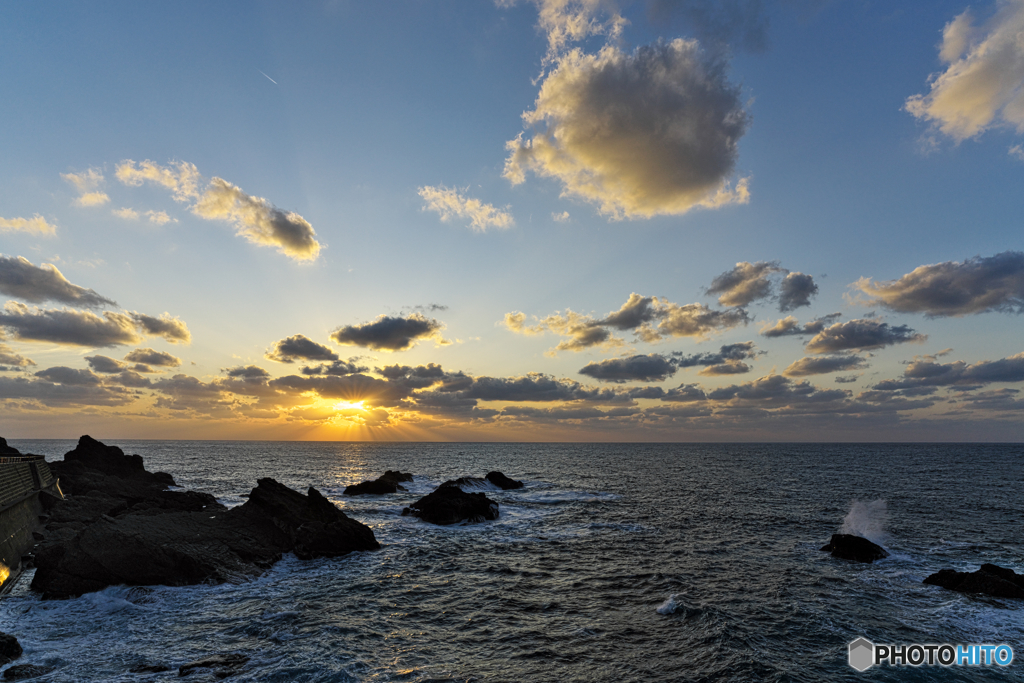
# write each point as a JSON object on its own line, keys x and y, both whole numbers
{"x": 418, "y": 183}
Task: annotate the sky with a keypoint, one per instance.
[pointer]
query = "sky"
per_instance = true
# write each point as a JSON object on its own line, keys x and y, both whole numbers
{"x": 513, "y": 220}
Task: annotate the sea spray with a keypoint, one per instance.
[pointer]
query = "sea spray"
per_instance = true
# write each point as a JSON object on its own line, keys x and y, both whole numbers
{"x": 866, "y": 519}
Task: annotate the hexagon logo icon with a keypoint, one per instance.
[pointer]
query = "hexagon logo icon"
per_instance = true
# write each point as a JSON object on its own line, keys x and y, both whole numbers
{"x": 862, "y": 654}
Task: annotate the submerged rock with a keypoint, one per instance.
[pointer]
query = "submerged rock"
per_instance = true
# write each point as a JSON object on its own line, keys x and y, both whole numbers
{"x": 10, "y": 648}
{"x": 125, "y": 529}
{"x": 223, "y": 665}
{"x": 148, "y": 669}
{"x": 990, "y": 579}
{"x": 386, "y": 483}
{"x": 855, "y": 548}
{"x": 502, "y": 482}
{"x": 451, "y": 505}
{"x": 19, "y": 671}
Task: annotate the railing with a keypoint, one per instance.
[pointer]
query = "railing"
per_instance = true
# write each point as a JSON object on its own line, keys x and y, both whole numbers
{"x": 21, "y": 475}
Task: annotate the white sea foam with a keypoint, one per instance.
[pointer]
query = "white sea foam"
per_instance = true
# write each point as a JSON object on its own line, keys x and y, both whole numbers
{"x": 669, "y": 606}
{"x": 867, "y": 519}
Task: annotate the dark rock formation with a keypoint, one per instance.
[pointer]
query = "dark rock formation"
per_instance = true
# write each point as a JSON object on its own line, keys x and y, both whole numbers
{"x": 10, "y": 648}
{"x": 467, "y": 483}
{"x": 19, "y": 671}
{"x": 990, "y": 579}
{"x": 148, "y": 669}
{"x": 386, "y": 483}
{"x": 222, "y": 665}
{"x": 856, "y": 548}
{"x": 112, "y": 460}
{"x": 7, "y": 450}
{"x": 129, "y": 530}
{"x": 502, "y": 482}
{"x": 450, "y": 505}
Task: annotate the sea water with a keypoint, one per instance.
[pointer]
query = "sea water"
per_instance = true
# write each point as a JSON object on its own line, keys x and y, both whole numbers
{"x": 616, "y": 562}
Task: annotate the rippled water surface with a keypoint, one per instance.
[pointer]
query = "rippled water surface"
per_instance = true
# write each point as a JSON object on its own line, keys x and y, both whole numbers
{"x": 617, "y": 562}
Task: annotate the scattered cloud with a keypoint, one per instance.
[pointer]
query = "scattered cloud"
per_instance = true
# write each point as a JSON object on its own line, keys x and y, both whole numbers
{"x": 171, "y": 329}
{"x": 19, "y": 278}
{"x": 1017, "y": 152}
{"x": 254, "y": 218}
{"x": 105, "y": 364}
{"x": 298, "y": 347}
{"x": 158, "y": 217}
{"x": 247, "y": 372}
{"x": 790, "y": 326}
{"x": 926, "y": 372}
{"x": 258, "y": 220}
{"x": 652, "y": 132}
{"x": 450, "y": 203}
{"x": 82, "y": 328}
{"x": 152, "y": 357}
{"x": 391, "y": 333}
{"x": 823, "y": 365}
{"x": 983, "y": 86}
{"x": 126, "y": 213}
{"x": 10, "y": 359}
{"x": 861, "y": 335}
{"x": 726, "y": 354}
{"x": 65, "y": 375}
{"x": 569, "y": 21}
{"x": 560, "y": 217}
{"x": 87, "y": 183}
{"x": 647, "y": 368}
{"x": 977, "y": 285}
{"x": 36, "y": 224}
{"x": 337, "y": 367}
{"x": 749, "y": 282}
{"x": 39, "y": 391}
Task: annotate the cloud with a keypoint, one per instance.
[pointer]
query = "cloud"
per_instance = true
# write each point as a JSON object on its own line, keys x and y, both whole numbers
{"x": 568, "y": 21}
{"x": 727, "y": 353}
{"x": 258, "y": 220}
{"x": 181, "y": 178}
{"x": 749, "y": 282}
{"x": 926, "y": 372}
{"x": 391, "y": 333}
{"x": 158, "y": 217}
{"x": 65, "y": 375}
{"x": 62, "y": 395}
{"x": 82, "y": 328}
{"x": 822, "y": 365}
{"x": 652, "y": 132}
{"x": 126, "y": 213}
{"x": 171, "y": 329}
{"x": 105, "y": 364}
{"x": 983, "y": 86}
{"x": 254, "y": 218}
{"x": 977, "y": 285}
{"x": 561, "y": 217}
{"x": 638, "y": 314}
{"x": 35, "y": 224}
{"x": 87, "y": 183}
{"x": 247, "y": 373}
{"x": 649, "y": 368}
{"x": 10, "y": 359}
{"x": 729, "y": 368}
{"x": 860, "y": 335}
{"x": 19, "y": 278}
{"x": 151, "y": 357}
{"x": 790, "y": 326}
{"x": 449, "y": 203}
{"x": 298, "y": 347}
{"x": 338, "y": 367}
{"x": 776, "y": 390}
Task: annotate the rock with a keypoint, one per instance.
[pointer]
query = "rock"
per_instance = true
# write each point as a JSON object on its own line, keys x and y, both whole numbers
{"x": 223, "y": 665}
{"x": 148, "y": 669}
{"x": 19, "y": 671}
{"x": 7, "y": 450}
{"x": 10, "y": 648}
{"x": 856, "y": 548}
{"x": 502, "y": 482}
{"x": 467, "y": 483}
{"x": 386, "y": 483}
{"x": 990, "y": 579}
{"x": 450, "y": 505}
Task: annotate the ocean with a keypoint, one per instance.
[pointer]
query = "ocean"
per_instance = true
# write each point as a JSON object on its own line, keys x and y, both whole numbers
{"x": 616, "y": 562}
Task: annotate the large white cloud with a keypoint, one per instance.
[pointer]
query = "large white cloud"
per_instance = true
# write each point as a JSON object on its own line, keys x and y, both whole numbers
{"x": 983, "y": 86}
{"x": 449, "y": 203}
{"x": 642, "y": 133}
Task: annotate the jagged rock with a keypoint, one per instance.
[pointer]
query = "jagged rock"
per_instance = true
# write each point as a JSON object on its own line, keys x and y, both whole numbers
{"x": 855, "y": 548}
{"x": 10, "y": 648}
{"x": 223, "y": 665}
{"x": 19, "y": 671}
{"x": 112, "y": 460}
{"x": 467, "y": 483}
{"x": 989, "y": 579}
{"x": 450, "y": 505}
{"x": 502, "y": 482}
{"x": 7, "y": 450}
{"x": 386, "y": 483}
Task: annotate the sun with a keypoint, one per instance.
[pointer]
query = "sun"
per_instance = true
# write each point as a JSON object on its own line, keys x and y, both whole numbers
{"x": 350, "y": 405}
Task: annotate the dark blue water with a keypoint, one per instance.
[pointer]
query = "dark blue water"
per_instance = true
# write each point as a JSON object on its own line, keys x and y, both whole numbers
{"x": 617, "y": 562}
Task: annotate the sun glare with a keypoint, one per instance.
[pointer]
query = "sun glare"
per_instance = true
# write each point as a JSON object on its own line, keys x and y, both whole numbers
{"x": 349, "y": 405}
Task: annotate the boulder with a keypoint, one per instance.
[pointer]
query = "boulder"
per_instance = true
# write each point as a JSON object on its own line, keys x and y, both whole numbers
{"x": 7, "y": 450}
{"x": 467, "y": 483}
{"x": 855, "y": 548}
{"x": 10, "y": 648}
{"x": 222, "y": 665}
{"x": 19, "y": 671}
{"x": 502, "y": 482}
{"x": 989, "y": 579}
{"x": 386, "y": 483}
{"x": 451, "y": 505}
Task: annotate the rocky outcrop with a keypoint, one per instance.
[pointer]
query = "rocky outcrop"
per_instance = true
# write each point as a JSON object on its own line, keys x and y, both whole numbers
{"x": 389, "y": 482}
{"x": 502, "y": 482}
{"x": 855, "y": 548}
{"x": 451, "y": 505}
{"x": 129, "y": 530}
{"x": 989, "y": 579}
{"x": 111, "y": 460}
{"x": 467, "y": 483}
{"x": 7, "y": 450}
{"x": 10, "y": 648}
